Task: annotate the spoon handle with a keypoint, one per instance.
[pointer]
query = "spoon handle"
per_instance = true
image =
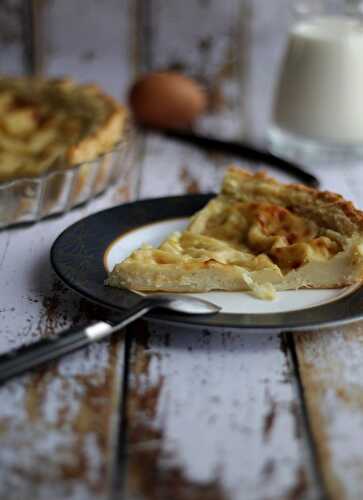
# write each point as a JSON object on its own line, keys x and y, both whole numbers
{"x": 243, "y": 150}
{"x": 35, "y": 354}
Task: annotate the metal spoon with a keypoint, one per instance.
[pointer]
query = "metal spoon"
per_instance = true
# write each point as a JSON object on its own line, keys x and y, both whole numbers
{"x": 30, "y": 356}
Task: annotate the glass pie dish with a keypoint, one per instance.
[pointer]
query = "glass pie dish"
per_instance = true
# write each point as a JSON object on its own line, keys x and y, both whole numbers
{"x": 29, "y": 199}
{"x": 61, "y": 143}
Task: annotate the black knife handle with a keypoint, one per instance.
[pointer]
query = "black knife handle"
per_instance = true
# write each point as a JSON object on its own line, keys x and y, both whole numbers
{"x": 31, "y": 355}
{"x": 243, "y": 150}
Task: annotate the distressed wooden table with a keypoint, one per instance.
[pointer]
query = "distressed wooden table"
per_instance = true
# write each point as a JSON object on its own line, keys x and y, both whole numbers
{"x": 163, "y": 412}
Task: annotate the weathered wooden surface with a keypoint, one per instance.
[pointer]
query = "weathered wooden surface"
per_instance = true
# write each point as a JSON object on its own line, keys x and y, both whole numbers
{"x": 11, "y": 35}
{"x": 202, "y": 421}
{"x": 55, "y": 426}
{"x": 209, "y": 415}
{"x": 59, "y": 428}
{"x": 331, "y": 372}
{"x": 329, "y": 361}
{"x": 91, "y": 42}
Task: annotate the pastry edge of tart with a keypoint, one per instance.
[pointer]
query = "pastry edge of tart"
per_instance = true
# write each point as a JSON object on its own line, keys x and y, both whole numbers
{"x": 104, "y": 139}
{"x": 299, "y": 198}
{"x": 342, "y": 269}
{"x": 346, "y": 269}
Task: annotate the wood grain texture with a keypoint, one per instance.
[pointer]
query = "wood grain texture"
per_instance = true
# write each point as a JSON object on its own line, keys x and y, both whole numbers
{"x": 331, "y": 374}
{"x": 327, "y": 359}
{"x": 329, "y": 364}
{"x": 34, "y": 21}
{"x": 11, "y": 37}
{"x": 47, "y": 439}
{"x": 210, "y": 415}
{"x": 207, "y": 424}
{"x": 59, "y": 428}
{"x": 91, "y": 42}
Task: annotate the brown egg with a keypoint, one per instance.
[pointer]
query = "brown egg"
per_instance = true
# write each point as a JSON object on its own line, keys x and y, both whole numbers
{"x": 167, "y": 99}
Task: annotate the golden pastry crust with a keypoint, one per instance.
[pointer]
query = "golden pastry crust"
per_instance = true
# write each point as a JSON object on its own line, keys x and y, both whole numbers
{"x": 325, "y": 208}
{"x": 258, "y": 234}
{"x": 46, "y": 124}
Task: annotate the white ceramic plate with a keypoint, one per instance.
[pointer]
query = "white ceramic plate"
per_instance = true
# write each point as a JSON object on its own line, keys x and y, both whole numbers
{"x": 230, "y": 302}
{"x": 86, "y": 251}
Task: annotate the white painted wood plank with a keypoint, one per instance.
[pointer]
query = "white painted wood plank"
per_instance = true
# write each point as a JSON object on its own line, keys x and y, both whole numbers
{"x": 63, "y": 417}
{"x": 329, "y": 360}
{"x": 90, "y": 41}
{"x": 55, "y": 428}
{"x": 210, "y": 414}
{"x": 11, "y": 50}
{"x": 59, "y": 427}
{"x": 223, "y": 413}
{"x": 331, "y": 370}
{"x": 209, "y": 52}
{"x": 339, "y": 353}
{"x": 198, "y": 38}
{"x": 170, "y": 168}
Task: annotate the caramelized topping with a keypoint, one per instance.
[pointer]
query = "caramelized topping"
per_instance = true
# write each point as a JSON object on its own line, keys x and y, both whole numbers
{"x": 288, "y": 239}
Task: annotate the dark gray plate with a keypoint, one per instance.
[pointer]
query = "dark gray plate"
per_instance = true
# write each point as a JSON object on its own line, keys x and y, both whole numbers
{"x": 77, "y": 258}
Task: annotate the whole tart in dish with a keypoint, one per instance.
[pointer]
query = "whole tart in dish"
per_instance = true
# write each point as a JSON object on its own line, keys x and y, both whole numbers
{"x": 60, "y": 144}
{"x": 54, "y": 124}
{"x": 258, "y": 235}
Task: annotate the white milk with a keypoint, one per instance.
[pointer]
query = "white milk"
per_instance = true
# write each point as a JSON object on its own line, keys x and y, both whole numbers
{"x": 320, "y": 93}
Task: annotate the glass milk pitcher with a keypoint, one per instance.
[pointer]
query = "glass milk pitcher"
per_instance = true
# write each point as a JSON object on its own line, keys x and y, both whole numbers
{"x": 318, "y": 104}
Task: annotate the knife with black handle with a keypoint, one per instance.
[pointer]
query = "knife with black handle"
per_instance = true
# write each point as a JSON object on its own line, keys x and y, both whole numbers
{"x": 242, "y": 150}
{"x": 42, "y": 351}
